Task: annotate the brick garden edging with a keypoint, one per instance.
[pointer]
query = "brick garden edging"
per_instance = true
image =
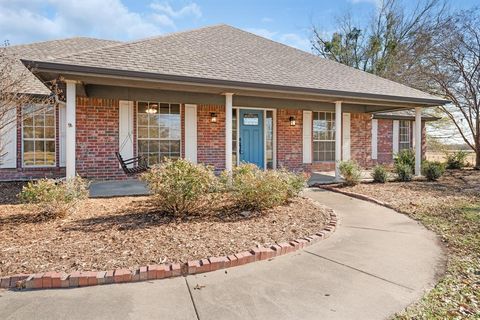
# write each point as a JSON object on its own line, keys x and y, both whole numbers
{"x": 48, "y": 280}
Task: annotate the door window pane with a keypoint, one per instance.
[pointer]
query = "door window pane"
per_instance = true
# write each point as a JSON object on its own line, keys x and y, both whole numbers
{"x": 324, "y": 136}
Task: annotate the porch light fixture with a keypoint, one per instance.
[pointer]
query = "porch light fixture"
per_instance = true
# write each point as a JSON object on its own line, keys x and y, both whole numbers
{"x": 292, "y": 121}
{"x": 213, "y": 117}
{"x": 152, "y": 108}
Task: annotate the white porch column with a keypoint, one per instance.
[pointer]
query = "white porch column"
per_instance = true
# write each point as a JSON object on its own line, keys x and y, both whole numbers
{"x": 228, "y": 130}
{"x": 418, "y": 141}
{"x": 70, "y": 131}
{"x": 338, "y": 138}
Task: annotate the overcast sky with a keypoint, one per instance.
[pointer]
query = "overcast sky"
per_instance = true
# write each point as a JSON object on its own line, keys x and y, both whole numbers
{"x": 24, "y": 21}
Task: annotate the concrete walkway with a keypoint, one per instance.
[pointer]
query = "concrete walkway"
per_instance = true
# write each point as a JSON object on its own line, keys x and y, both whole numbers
{"x": 375, "y": 264}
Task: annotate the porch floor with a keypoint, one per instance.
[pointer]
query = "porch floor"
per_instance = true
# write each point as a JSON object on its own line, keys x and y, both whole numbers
{"x": 134, "y": 187}
{"x": 118, "y": 188}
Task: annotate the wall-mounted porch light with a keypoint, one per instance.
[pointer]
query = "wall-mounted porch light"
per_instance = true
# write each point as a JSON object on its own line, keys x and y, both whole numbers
{"x": 292, "y": 121}
{"x": 213, "y": 117}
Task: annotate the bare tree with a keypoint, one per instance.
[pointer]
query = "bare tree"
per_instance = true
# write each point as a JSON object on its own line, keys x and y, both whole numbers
{"x": 391, "y": 44}
{"x": 14, "y": 78}
{"x": 453, "y": 71}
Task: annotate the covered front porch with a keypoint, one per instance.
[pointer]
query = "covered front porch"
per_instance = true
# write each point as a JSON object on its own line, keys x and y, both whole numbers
{"x": 220, "y": 129}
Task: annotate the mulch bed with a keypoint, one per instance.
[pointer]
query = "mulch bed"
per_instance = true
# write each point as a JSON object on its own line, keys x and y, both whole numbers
{"x": 129, "y": 232}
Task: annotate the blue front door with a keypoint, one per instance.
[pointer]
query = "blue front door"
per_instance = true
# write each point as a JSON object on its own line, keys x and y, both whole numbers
{"x": 251, "y": 137}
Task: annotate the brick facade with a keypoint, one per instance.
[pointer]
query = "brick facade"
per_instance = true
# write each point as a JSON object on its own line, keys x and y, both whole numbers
{"x": 98, "y": 128}
{"x": 97, "y": 138}
{"x": 211, "y": 136}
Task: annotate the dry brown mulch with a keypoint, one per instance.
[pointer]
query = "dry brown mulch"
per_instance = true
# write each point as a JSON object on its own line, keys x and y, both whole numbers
{"x": 129, "y": 232}
{"x": 9, "y": 192}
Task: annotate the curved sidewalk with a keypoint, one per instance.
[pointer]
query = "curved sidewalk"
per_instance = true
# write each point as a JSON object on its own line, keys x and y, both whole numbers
{"x": 375, "y": 264}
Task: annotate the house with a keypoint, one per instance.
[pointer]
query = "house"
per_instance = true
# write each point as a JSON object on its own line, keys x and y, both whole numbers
{"x": 216, "y": 95}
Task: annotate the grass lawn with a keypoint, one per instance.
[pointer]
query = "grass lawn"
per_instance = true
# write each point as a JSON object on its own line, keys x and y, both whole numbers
{"x": 129, "y": 232}
{"x": 451, "y": 208}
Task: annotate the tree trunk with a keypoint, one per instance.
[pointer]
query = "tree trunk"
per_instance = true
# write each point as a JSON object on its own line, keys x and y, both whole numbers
{"x": 477, "y": 159}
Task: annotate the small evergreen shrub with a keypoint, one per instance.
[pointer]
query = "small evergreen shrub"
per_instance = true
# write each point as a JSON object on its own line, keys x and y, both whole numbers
{"x": 407, "y": 157}
{"x": 380, "y": 174}
{"x": 404, "y": 172}
{"x": 255, "y": 189}
{"x": 55, "y": 198}
{"x": 350, "y": 172}
{"x": 456, "y": 160}
{"x": 433, "y": 170}
{"x": 180, "y": 187}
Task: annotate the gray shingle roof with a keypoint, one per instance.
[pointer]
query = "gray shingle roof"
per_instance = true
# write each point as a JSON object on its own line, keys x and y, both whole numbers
{"x": 49, "y": 50}
{"x": 229, "y": 54}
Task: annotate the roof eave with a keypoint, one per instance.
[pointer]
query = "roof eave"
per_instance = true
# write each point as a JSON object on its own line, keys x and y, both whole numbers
{"x": 43, "y": 66}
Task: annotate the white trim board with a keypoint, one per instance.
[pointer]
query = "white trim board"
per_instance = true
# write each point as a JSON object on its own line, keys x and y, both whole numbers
{"x": 191, "y": 132}
{"x": 374, "y": 139}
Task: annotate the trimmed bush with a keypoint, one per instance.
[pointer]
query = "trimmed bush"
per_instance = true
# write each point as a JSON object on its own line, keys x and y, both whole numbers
{"x": 55, "y": 198}
{"x": 350, "y": 172}
{"x": 407, "y": 157}
{"x": 404, "y": 172}
{"x": 380, "y": 174}
{"x": 255, "y": 189}
{"x": 456, "y": 160}
{"x": 433, "y": 170}
{"x": 180, "y": 187}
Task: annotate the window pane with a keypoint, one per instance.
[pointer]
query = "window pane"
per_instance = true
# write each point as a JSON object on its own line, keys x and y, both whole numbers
{"x": 142, "y": 119}
{"x": 143, "y": 132}
{"x": 28, "y": 132}
{"x": 175, "y": 108}
{"x": 142, "y": 107}
{"x": 153, "y": 146}
{"x": 50, "y": 133}
{"x": 39, "y": 135}
{"x": 143, "y": 146}
{"x": 153, "y": 132}
{"x": 162, "y": 130}
{"x": 174, "y": 146}
{"x": 50, "y": 153}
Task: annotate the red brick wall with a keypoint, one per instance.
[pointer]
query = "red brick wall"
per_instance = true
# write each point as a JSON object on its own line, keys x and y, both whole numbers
{"x": 361, "y": 138}
{"x": 211, "y": 136}
{"x": 289, "y": 139}
{"x": 97, "y": 138}
{"x": 385, "y": 141}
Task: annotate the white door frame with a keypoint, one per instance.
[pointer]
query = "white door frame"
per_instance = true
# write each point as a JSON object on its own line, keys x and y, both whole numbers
{"x": 274, "y": 119}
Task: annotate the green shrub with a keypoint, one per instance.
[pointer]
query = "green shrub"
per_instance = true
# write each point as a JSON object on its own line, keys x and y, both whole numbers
{"x": 456, "y": 160}
{"x": 404, "y": 172}
{"x": 433, "y": 170}
{"x": 406, "y": 157}
{"x": 380, "y": 174}
{"x": 253, "y": 189}
{"x": 181, "y": 187}
{"x": 350, "y": 172}
{"x": 55, "y": 198}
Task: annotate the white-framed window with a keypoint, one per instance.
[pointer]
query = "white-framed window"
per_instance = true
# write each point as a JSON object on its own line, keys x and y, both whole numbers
{"x": 38, "y": 136}
{"x": 323, "y": 136}
{"x": 404, "y": 135}
{"x": 158, "y": 131}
